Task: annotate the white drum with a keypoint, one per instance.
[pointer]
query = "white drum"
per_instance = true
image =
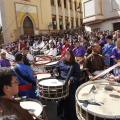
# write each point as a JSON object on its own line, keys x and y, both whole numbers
{"x": 10, "y": 57}
{"x": 33, "y": 106}
{"x": 50, "y": 66}
{"x": 52, "y": 89}
{"x": 43, "y": 75}
{"x": 93, "y": 102}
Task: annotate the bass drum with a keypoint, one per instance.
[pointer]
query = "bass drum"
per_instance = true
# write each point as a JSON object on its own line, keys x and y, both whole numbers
{"x": 93, "y": 102}
{"x": 35, "y": 106}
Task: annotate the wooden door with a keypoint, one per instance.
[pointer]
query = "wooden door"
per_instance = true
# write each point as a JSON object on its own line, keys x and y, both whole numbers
{"x": 116, "y": 26}
{"x": 28, "y": 26}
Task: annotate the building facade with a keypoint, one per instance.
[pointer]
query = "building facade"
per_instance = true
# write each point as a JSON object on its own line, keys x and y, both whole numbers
{"x": 101, "y": 15}
{"x": 35, "y": 16}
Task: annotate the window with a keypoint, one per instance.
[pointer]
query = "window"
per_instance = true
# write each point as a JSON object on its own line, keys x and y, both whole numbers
{"x": 70, "y": 4}
{"x": 59, "y": 3}
{"x": 52, "y": 2}
{"x": 61, "y": 23}
{"x": 75, "y": 3}
{"x": 54, "y": 22}
{"x": 65, "y": 4}
{"x": 72, "y": 23}
{"x": 77, "y": 22}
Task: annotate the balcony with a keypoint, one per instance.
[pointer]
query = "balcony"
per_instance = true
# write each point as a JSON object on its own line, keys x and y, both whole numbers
{"x": 76, "y": 14}
{"x": 92, "y": 11}
{"x": 66, "y": 12}
{"x": 53, "y": 11}
{"x": 60, "y": 11}
{"x": 71, "y": 14}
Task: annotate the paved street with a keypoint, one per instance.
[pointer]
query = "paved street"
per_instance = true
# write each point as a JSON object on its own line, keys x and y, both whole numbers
{"x": 50, "y": 109}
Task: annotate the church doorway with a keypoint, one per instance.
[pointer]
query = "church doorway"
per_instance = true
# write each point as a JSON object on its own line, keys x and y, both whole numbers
{"x": 28, "y": 26}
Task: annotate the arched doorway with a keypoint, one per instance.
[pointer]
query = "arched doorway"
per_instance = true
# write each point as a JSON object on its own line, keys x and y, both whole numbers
{"x": 28, "y": 26}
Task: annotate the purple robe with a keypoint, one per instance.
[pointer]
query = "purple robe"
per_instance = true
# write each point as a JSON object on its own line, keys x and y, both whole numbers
{"x": 115, "y": 53}
{"x": 102, "y": 41}
{"x": 4, "y": 62}
{"x": 79, "y": 51}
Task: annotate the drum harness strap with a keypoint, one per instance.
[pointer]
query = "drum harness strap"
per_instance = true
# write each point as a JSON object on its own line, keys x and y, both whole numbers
{"x": 24, "y": 87}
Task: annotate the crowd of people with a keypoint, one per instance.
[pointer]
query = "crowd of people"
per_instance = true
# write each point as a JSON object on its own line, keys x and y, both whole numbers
{"x": 88, "y": 52}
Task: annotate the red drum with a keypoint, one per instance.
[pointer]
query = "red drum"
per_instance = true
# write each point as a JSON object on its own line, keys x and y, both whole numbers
{"x": 42, "y": 57}
{"x": 43, "y": 60}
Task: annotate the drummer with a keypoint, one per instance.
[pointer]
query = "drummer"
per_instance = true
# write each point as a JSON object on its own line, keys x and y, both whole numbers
{"x": 4, "y": 62}
{"x": 114, "y": 78}
{"x": 25, "y": 51}
{"x": 94, "y": 63}
{"x": 8, "y": 89}
{"x": 66, "y": 107}
{"x": 25, "y": 77}
{"x": 79, "y": 52}
{"x": 65, "y": 46}
{"x": 116, "y": 51}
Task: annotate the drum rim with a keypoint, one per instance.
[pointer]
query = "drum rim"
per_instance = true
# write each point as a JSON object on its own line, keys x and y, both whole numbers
{"x": 37, "y": 73}
{"x": 50, "y": 78}
{"x": 77, "y": 101}
{"x": 37, "y": 64}
{"x": 30, "y": 99}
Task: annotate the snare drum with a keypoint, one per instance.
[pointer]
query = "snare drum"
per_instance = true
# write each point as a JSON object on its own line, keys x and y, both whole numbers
{"x": 52, "y": 89}
{"x": 107, "y": 107}
{"x": 32, "y": 106}
{"x": 50, "y": 66}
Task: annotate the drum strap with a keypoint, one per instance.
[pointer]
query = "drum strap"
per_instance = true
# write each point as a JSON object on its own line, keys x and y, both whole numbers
{"x": 23, "y": 77}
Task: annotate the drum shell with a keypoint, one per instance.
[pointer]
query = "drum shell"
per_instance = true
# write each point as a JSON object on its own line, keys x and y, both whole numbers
{"x": 85, "y": 114}
{"x": 50, "y": 67}
{"x": 53, "y": 92}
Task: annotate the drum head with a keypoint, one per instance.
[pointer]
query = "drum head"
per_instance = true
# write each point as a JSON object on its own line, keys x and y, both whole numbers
{"x": 43, "y": 75}
{"x": 34, "y": 106}
{"x": 51, "y": 82}
{"x": 108, "y": 100}
{"x": 52, "y": 63}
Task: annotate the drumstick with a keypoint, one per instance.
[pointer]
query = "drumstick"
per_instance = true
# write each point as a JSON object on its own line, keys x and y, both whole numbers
{"x": 106, "y": 71}
{"x": 68, "y": 76}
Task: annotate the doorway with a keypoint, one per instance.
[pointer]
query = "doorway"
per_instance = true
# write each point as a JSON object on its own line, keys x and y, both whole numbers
{"x": 28, "y": 26}
{"x": 116, "y": 26}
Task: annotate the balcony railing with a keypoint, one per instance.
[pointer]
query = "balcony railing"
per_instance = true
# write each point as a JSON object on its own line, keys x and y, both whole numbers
{"x": 53, "y": 10}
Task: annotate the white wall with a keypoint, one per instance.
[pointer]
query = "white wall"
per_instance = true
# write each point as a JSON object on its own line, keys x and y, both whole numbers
{"x": 107, "y": 25}
{"x": 0, "y": 19}
{"x": 111, "y": 8}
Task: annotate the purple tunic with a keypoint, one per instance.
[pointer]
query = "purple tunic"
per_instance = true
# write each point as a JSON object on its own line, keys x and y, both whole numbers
{"x": 79, "y": 51}
{"x": 4, "y": 63}
{"x": 102, "y": 41}
{"x": 115, "y": 53}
